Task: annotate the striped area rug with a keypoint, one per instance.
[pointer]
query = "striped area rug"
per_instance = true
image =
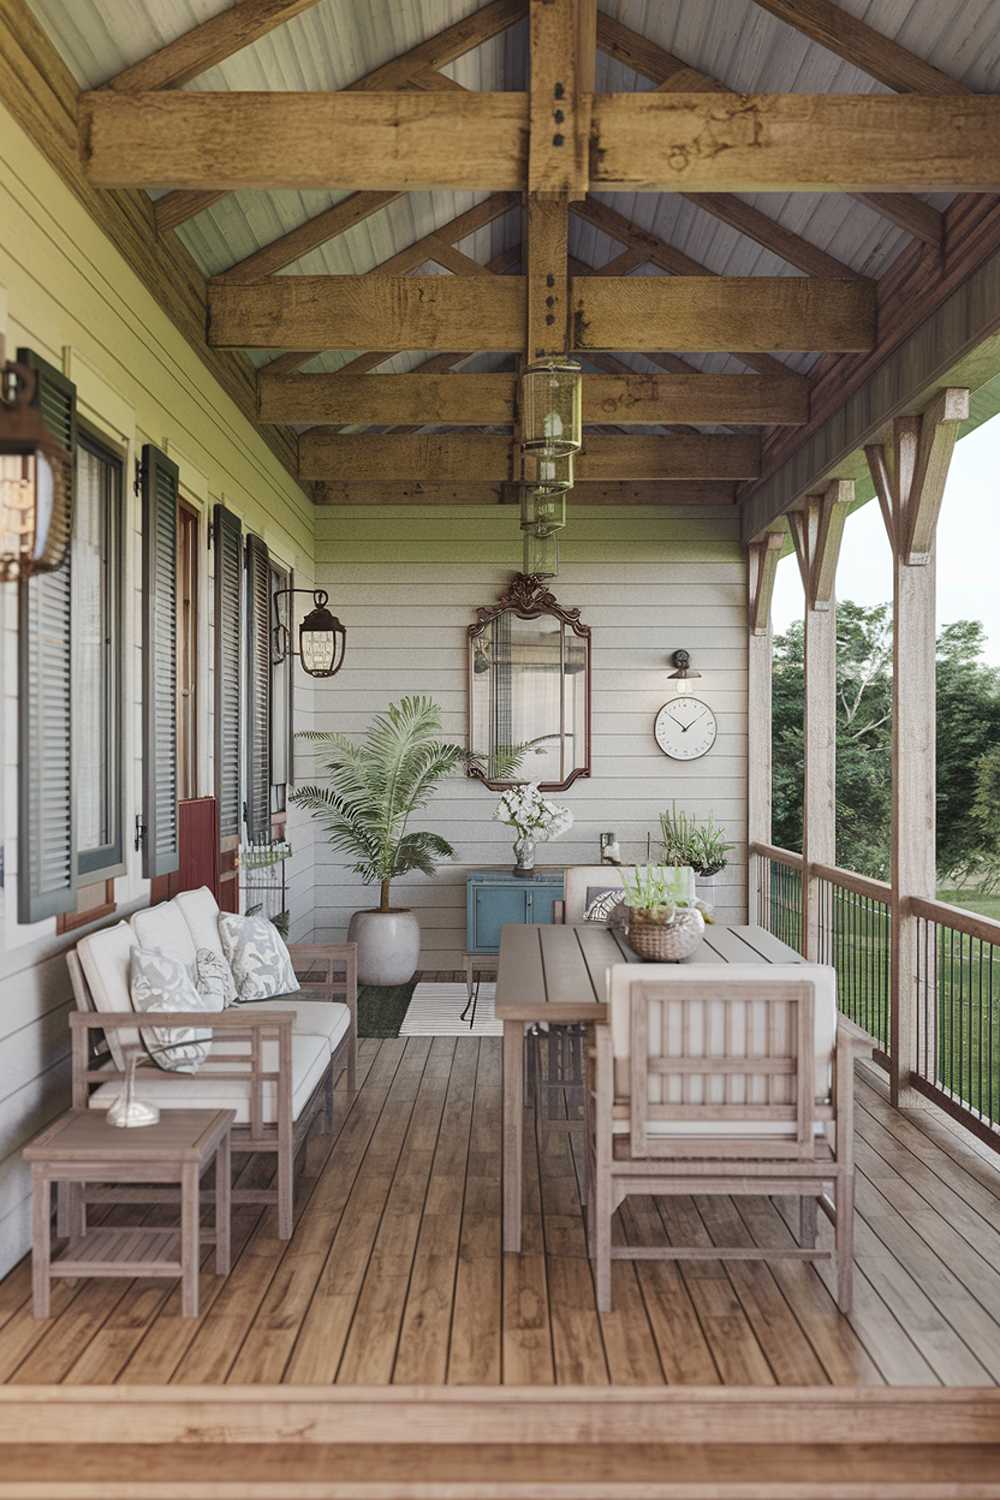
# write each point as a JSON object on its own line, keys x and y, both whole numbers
{"x": 435, "y": 1010}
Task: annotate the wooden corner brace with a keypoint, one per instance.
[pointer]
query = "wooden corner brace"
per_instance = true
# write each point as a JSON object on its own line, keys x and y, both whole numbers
{"x": 764, "y": 557}
{"x": 817, "y": 532}
{"x": 910, "y": 471}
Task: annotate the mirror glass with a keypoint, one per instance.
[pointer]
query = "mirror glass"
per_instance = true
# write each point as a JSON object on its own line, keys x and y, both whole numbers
{"x": 529, "y": 684}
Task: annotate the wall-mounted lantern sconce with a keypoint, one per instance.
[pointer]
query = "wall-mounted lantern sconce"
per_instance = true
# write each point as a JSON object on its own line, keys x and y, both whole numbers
{"x": 35, "y": 482}
{"x": 322, "y": 638}
{"x": 684, "y": 677}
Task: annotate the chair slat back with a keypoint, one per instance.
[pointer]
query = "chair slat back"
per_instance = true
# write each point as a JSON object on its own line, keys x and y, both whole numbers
{"x": 717, "y": 1053}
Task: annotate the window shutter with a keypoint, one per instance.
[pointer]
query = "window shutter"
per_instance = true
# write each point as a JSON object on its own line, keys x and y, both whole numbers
{"x": 227, "y": 540}
{"x": 46, "y": 854}
{"x": 292, "y": 644}
{"x": 161, "y": 848}
{"x": 258, "y": 691}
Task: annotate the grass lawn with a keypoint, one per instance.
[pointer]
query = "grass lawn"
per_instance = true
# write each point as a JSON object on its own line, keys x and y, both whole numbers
{"x": 986, "y": 906}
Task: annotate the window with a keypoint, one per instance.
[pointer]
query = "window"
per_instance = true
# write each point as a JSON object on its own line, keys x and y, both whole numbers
{"x": 97, "y": 655}
{"x": 187, "y": 653}
{"x": 281, "y": 687}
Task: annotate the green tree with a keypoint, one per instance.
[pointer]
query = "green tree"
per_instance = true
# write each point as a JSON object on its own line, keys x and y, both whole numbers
{"x": 968, "y": 728}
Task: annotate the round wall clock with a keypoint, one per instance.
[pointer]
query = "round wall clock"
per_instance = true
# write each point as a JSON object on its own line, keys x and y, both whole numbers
{"x": 685, "y": 728}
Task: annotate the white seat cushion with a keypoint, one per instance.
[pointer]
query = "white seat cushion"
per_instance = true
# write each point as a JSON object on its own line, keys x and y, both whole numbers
{"x": 329, "y": 1019}
{"x": 164, "y": 927}
{"x": 201, "y": 913}
{"x": 105, "y": 957}
{"x": 707, "y": 1035}
{"x": 310, "y": 1059}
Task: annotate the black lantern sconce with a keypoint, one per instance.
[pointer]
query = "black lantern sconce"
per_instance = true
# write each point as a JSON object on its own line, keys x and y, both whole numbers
{"x": 35, "y": 482}
{"x": 685, "y": 675}
{"x": 322, "y": 638}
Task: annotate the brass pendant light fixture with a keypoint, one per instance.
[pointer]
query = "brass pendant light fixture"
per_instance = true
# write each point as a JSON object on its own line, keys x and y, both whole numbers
{"x": 35, "y": 482}
{"x": 552, "y": 408}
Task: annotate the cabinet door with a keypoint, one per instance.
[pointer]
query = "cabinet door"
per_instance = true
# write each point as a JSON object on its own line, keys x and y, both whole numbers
{"x": 543, "y": 897}
{"x": 493, "y": 905}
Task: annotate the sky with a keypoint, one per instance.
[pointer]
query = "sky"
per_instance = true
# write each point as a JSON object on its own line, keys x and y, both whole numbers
{"x": 968, "y": 578}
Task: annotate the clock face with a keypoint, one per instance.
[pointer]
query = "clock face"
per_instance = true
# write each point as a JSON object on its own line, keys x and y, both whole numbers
{"x": 685, "y": 728}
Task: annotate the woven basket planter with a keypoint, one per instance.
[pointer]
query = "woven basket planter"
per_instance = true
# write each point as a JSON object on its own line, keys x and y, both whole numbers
{"x": 666, "y": 944}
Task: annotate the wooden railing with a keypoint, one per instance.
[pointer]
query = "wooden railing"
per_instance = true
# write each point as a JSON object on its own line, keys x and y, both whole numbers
{"x": 958, "y": 1014}
{"x": 957, "y": 969}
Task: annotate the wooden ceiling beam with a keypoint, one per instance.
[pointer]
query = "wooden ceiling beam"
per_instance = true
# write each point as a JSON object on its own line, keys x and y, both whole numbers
{"x": 416, "y": 68}
{"x": 290, "y": 247}
{"x": 646, "y": 142}
{"x": 489, "y": 400}
{"x": 673, "y": 75}
{"x": 563, "y": 36}
{"x": 863, "y": 47}
{"x": 475, "y": 314}
{"x": 205, "y": 46}
{"x": 486, "y": 457}
{"x": 609, "y": 492}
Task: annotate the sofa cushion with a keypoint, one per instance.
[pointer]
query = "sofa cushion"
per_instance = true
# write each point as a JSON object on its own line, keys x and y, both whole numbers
{"x": 201, "y": 913}
{"x": 257, "y": 954}
{"x": 310, "y": 1060}
{"x": 164, "y": 927}
{"x": 105, "y": 957}
{"x": 707, "y": 1035}
{"x": 329, "y": 1019}
{"x": 213, "y": 979}
{"x": 161, "y": 982}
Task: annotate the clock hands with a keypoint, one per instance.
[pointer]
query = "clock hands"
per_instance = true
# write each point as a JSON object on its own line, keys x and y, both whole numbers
{"x": 686, "y": 727}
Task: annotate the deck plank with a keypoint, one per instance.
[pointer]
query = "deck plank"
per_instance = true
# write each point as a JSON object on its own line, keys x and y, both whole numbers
{"x": 395, "y": 1272}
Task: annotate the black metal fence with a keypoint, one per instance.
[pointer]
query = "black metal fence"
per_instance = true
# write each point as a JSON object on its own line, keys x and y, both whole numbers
{"x": 958, "y": 1011}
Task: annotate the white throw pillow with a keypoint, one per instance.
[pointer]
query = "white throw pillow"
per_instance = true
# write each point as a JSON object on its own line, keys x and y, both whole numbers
{"x": 160, "y": 982}
{"x": 214, "y": 980}
{"x": 261, "y": 964}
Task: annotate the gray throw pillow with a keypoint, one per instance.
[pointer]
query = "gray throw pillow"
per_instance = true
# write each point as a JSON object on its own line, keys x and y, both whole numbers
{"x": 159, "y": 982}
{"x": 605, "y": 904}
{"x": 214, "y": 980}
{"x": 261, "y": 964}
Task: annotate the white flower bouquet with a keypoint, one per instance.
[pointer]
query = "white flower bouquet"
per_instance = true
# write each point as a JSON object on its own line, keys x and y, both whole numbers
{"x": 531, "y": 815}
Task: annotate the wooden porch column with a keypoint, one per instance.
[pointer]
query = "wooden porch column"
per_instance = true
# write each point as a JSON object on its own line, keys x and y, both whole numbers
{"x": 762, "y": 566}
{"x": 909, "y": 473}
{"x": 817, "y": 531}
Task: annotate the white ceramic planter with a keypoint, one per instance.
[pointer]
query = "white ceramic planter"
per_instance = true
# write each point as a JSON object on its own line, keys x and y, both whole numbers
{"x": 388, "y": 946}
{"x": 706, "y": 887}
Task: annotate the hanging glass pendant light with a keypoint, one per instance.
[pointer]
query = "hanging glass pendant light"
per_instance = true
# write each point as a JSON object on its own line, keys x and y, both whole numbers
{"x": 35, "y": 482}
{"x": 552, "y": 408}
{"x": 549, "y": 473}
{"x": 541, "y": 554}
{"x": 542, "y": 510}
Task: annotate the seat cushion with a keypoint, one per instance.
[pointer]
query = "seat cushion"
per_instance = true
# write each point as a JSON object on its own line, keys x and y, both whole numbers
{"x": 105, "y": 957}
{"x": 310, "y": 1060}
{"x": 164, "y": 927}
{"x": 329, "y": 1019}
{"x": 201, "y": 913}
{"x": 707, "y": 1036}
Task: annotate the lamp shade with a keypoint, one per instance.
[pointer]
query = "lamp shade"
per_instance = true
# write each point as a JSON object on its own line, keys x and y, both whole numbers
{"x": 552, "y": 408}
{"x": 322, "y": 640}
{"x": 35, "y": 483}
{"x": 542, "y": 511}
{"x": 541, "y": 553}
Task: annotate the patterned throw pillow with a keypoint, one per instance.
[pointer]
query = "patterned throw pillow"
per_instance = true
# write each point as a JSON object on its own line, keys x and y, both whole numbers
{"x": 606, "y": 904}
{"x": 214, "y": 980}
{"x": 261, "y": 964}
{"x": 159, "y": 982}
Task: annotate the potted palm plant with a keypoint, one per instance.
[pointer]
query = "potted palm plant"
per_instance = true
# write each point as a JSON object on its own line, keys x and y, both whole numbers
{"x": 376, "y": 785}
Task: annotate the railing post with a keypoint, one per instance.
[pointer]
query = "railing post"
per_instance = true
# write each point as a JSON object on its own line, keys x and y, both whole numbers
{"x": 817, "y": 530}
{"x": 762, "y": 565}
{"x": 909, "y": 474}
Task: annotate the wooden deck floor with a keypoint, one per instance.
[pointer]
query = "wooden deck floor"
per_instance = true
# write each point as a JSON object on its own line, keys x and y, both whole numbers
{"x": 395, "y": 1273}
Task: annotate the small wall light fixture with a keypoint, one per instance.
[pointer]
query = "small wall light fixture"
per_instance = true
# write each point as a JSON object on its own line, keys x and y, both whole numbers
{"x": 322, "y": 638}
{"x": 683, "y": 678}
{"x": 35, "y": 482}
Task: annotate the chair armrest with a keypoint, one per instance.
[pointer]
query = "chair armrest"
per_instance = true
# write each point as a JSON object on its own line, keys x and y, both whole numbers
{"x": 851, "y": 1034}
{"x": 559, "y": 911}
{"x": 328, "y": 957}
{"x": 236, "y": 1018}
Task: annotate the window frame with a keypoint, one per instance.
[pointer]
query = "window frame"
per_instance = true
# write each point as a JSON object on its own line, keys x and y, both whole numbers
{"x": 107, "y": 861}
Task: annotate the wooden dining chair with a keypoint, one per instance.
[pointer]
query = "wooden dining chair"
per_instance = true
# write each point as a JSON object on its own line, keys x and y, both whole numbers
{"x": 733, "y": 1081}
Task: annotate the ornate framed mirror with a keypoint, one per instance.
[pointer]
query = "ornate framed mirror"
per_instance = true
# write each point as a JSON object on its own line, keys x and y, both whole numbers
{"x": 529, "y": 684}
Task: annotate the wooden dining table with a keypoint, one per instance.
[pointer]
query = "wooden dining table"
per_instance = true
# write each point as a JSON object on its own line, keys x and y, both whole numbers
{"x": 557, "y": 975}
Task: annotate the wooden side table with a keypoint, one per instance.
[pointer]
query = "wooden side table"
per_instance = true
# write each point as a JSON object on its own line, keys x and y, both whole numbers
{"x": 82, "y": 1147}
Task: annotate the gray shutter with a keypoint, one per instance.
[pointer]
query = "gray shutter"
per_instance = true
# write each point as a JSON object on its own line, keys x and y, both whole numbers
{"x": 227, "y": 540}
{"x": 258, "y": 691}
{"x": 46, "y": 845}
{"x": 161, "y": 847}
{"x": 292, "y": 645}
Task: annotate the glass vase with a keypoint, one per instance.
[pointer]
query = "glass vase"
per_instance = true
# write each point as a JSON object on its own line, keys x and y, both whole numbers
{"x": 524, "y": 855}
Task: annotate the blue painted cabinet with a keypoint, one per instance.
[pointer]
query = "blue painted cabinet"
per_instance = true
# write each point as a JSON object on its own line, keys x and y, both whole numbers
{"x": 494, "y": 897}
